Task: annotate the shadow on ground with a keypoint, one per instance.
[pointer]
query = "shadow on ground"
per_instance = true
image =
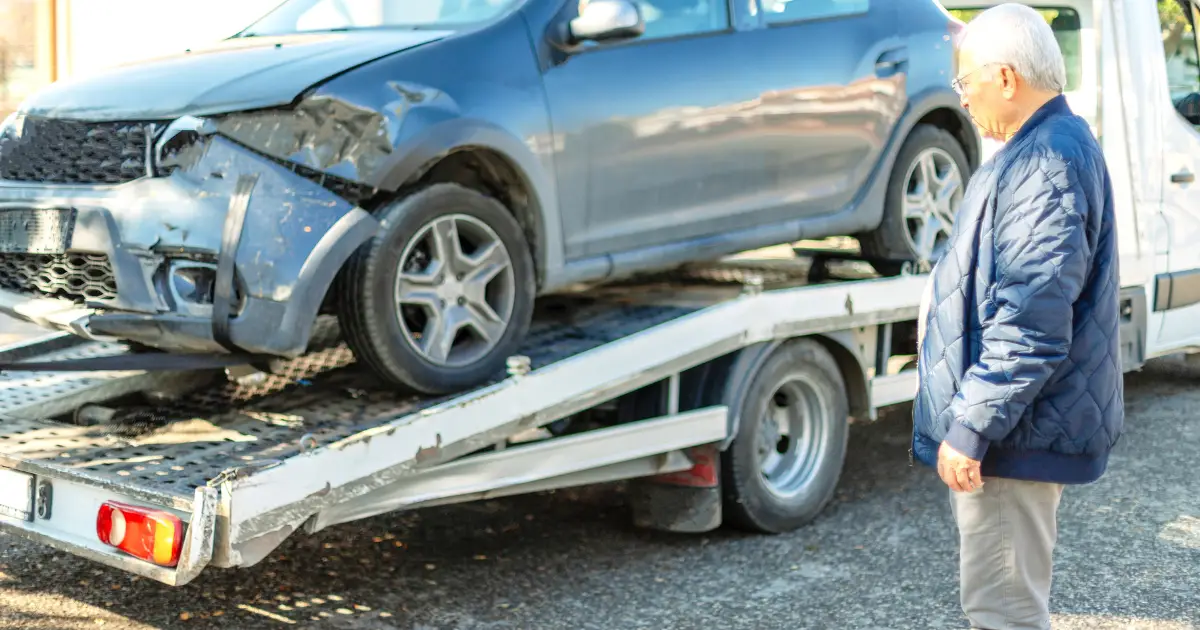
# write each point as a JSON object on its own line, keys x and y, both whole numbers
{"x": 881, "y": 556}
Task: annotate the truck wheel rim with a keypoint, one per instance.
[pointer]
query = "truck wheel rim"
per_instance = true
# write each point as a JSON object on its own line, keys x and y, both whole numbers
{"x": 793, "y": 438}
{"x": 455, "y": 291}
{"x": 932, "y": 193}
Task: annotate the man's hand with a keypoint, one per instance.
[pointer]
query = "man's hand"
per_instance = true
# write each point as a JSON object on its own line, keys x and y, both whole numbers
{"x": 959, "y": 472}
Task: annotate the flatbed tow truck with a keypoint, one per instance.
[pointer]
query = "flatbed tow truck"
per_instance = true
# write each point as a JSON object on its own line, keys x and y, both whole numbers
{"x": 722, "y": 392}
{"x": 155, "y": 474}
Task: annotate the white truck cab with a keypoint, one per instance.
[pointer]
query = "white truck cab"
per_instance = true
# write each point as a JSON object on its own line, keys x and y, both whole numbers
{"x": 1131, "y": 66}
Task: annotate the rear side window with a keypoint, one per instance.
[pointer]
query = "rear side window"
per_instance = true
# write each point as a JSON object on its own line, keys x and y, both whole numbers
{"x": 781, "y": 11}
{"x": 1064, "y": 21}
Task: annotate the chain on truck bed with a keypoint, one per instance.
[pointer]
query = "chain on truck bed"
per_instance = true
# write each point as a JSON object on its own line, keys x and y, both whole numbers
{"x": 174, "y": 447}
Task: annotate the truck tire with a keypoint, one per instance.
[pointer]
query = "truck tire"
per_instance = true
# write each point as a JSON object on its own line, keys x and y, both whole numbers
{"x": 462, "y": 304}
{"x": 918, "y": 218}
{"x": 787, "y": 454}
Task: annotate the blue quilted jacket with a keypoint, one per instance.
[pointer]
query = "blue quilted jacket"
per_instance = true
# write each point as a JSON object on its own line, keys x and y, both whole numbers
{"x": 1020, "y": 365}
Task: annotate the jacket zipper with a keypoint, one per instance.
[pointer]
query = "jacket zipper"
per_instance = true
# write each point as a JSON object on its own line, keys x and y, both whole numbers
{"x": 913, "y": 435}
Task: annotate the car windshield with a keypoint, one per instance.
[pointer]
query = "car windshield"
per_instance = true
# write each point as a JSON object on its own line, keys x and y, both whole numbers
{"x": 303, "y": 16}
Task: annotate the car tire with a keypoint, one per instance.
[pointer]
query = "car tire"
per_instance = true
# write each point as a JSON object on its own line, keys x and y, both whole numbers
{"x": 898, "y": 239}
{"x": 778, "y": 478}
{"x": 429, "y": 331}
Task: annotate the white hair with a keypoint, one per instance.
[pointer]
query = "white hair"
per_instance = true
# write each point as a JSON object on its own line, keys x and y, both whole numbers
{"x": 1015, "y": 35}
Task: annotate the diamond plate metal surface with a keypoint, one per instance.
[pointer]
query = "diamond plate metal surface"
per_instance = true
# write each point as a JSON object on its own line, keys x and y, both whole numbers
{"x": 77, "y": 277}
{"x": 177, "y": 447}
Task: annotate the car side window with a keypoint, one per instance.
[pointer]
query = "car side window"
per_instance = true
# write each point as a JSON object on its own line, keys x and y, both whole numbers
{"x": 781, "y": 11}
{"x": 672, "y": 18}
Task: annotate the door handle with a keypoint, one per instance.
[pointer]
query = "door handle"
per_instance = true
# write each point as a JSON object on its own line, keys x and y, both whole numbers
{"x": 1183, "y": 177}
{"x": 890, "y": 60}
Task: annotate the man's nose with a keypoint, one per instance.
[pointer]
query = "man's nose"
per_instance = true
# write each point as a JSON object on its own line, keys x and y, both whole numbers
{"x": 962, "y": 98}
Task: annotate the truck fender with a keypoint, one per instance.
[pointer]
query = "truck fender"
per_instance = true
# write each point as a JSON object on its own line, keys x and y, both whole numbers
{"x": 738, "y": 378}
{"x": 744, "y": 368}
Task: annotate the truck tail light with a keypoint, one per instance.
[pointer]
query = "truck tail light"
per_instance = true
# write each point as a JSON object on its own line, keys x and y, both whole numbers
{"x": 152, "y": 535}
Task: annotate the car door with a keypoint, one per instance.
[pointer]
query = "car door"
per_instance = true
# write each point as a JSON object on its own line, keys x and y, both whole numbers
{"x": 831, "y": 79}
{"x": 646, "y": 129}
{"x": 1176, "y": 298}
{"x": 760, "y": 116}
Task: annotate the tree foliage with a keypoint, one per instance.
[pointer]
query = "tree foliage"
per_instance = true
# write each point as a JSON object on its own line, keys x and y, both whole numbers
{"x": 1171, "y": 12}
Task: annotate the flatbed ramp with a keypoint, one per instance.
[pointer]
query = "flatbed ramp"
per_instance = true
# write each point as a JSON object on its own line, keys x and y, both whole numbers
{"x": 247, "y": 462}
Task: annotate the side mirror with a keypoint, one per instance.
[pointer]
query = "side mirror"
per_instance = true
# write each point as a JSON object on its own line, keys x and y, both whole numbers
{"x": 603, "y": 20}
{"x": 1189, "y": 108}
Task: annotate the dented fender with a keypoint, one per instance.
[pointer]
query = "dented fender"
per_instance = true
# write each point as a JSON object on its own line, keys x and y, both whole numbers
{"x": 296, "y": 237}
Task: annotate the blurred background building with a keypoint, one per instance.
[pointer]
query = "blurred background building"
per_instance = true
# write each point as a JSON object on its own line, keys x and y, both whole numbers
{"x": 46, "y": 40}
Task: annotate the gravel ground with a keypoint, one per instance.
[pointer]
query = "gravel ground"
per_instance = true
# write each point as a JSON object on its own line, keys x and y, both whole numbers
{"x": 882, "y": 556}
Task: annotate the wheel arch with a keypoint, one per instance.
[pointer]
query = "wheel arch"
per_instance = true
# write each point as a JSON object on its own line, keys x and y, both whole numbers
{"x": 490, "y": 160}
{"x": 738, "y": 371}
{"x": 854, "y": 373}
{"x": 941, "y": 108}
{"x": 953, "y": 120}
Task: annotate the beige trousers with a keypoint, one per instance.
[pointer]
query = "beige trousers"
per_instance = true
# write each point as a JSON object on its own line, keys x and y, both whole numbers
{"x": 1007, "y": 531}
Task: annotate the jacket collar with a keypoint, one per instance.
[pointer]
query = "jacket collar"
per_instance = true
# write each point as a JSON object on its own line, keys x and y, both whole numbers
{"x": 1053, "y": 107}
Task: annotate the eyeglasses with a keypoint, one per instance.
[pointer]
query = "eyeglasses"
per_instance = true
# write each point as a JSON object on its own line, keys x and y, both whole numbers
{"x": 959, "y": 84}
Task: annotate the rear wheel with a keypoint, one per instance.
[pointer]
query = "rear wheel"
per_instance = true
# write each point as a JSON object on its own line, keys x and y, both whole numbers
{"x": 443, "y": 295}
{"x": 923, "y": 196}
{"x": 786, "y": 459}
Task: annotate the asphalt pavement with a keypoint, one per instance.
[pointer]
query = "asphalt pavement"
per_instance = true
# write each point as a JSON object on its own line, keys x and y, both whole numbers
{"x": 881, "y": 556}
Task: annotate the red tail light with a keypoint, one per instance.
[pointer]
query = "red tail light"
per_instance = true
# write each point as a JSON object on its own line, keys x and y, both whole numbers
{"x": 152, "y": 535}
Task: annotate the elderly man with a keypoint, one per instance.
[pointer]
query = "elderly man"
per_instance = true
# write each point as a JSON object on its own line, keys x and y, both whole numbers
{"x": 1020, "y": 388}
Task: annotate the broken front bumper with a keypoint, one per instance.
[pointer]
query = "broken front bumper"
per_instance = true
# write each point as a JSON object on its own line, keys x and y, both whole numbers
{"x": 139, "y": 261}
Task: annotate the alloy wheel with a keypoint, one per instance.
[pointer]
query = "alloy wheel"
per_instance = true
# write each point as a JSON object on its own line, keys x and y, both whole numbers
{"x": 933, "y": 191}
{"x": 455, "y": 291}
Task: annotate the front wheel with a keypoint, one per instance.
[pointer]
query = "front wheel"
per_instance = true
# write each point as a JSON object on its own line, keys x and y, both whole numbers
{"x": 787, "y": 455}
{"x": 925, "y": 190}
{"x": 443, "y": 295}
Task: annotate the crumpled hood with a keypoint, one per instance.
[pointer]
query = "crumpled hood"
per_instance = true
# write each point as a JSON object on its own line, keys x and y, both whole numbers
{"x": 230, "y": 75}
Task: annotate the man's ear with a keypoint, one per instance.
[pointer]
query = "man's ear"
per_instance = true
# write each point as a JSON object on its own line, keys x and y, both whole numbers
{"x": 1007, "y": 80}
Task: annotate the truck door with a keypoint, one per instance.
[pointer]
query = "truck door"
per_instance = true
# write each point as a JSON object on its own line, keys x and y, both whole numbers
{"x": 1175, "y": 297}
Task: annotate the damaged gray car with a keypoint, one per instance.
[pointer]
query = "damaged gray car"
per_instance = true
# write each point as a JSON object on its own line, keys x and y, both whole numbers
{"x": 424, "y": 169}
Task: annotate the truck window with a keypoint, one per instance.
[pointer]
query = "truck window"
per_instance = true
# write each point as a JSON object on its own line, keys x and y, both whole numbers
{"x": 1064, "y": 21}
{"x": 1179, "y": 46}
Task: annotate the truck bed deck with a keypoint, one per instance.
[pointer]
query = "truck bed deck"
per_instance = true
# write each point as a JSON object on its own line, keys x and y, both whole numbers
{"x": 174, "y": 448}
{"x": 170, "y": 449}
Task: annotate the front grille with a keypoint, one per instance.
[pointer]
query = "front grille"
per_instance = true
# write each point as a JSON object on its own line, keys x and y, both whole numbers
{"x": 52, "y": 150}
{"x": 77, "y": 277}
